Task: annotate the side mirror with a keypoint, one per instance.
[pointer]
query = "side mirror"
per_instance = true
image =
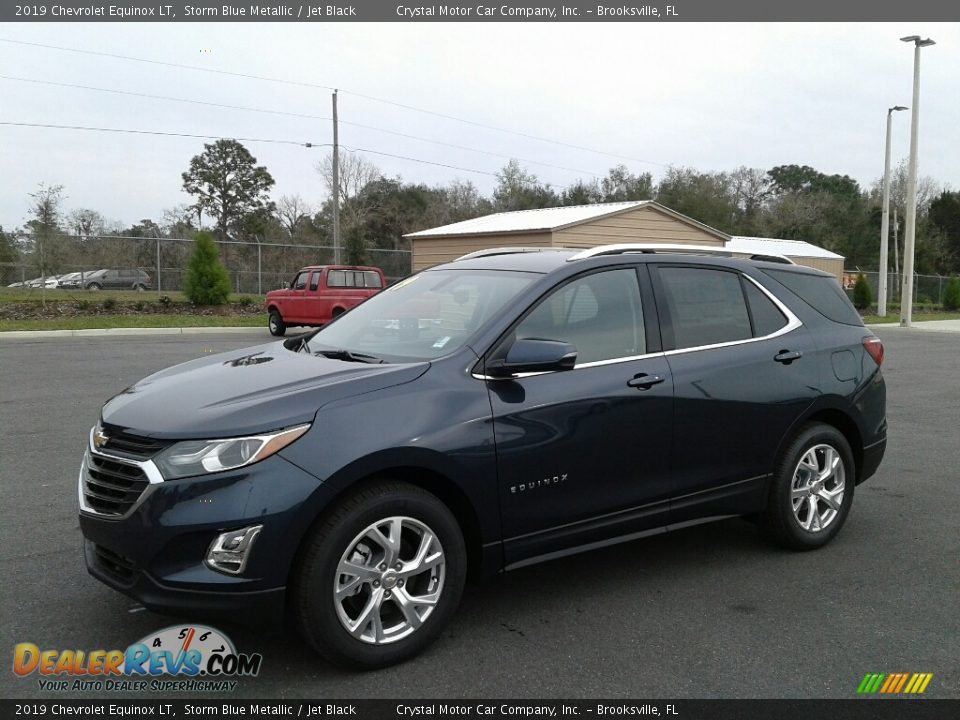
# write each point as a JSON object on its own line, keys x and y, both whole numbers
{"x": 534, "y": 355}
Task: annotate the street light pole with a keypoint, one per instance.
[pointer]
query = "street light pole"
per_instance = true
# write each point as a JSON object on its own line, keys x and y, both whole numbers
{"x": 885, "y": 221}
{"x": 909, "y": 240}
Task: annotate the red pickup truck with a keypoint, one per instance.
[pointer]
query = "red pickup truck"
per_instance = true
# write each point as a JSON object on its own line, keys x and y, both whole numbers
{"x": 319, "y": 293}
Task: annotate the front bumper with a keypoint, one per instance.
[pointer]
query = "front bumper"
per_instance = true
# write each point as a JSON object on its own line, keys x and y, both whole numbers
{"x": 155, "y": 553}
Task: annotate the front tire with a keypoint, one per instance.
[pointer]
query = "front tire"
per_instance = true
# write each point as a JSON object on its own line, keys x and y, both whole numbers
{"x": 380, "y": 577}
{"x": 276, "y": 324}
{"x": 812, "y": 489}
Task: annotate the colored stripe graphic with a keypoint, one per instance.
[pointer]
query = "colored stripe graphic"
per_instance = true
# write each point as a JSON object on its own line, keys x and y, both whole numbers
{"x": 894, "y": 683}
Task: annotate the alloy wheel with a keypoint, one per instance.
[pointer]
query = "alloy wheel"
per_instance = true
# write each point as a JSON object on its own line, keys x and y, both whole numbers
{"x": 816, "y": 491}
{"x": 389, "y": 580}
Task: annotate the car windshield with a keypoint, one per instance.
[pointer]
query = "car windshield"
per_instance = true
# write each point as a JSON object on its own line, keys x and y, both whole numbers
{"x": 423, "y": 317}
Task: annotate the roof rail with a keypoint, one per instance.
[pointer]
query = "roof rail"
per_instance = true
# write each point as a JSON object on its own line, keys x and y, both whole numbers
{"x": 507, "y": 251}
{"x": 623, "y": 248}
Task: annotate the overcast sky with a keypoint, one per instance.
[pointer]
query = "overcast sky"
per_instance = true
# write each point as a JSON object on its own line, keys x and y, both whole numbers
{"x": 713, "y": 97}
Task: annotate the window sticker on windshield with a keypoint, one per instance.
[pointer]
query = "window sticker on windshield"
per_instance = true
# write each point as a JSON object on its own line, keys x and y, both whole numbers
{"x": 441, "y": 342}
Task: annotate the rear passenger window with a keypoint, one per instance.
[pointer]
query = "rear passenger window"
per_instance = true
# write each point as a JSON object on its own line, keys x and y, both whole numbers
{"x": 767, "y": 318}
{"x": 706, "y": 306}
{"x": 821, "y": 292}
{"x": 372, "y": 279}
{"x": 336, "y": 278}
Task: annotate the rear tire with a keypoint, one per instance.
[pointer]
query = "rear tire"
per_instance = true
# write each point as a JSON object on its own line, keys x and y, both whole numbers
{"x": 812, "y": 489}
{"x": 276, "y": 324}
{"x": 398, "y": 601}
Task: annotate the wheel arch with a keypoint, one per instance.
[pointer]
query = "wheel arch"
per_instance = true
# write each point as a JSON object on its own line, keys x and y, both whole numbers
{"x": 444, "y": 488}
{"x": 838, "y": 418}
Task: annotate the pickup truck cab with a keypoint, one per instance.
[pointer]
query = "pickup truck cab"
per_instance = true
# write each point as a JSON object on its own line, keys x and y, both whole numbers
{"x": 318, "y": 294}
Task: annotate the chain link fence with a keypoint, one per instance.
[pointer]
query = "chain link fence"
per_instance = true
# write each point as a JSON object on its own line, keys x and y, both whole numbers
{"x": 254, "y": 267}
{"x": 927, "y": 289}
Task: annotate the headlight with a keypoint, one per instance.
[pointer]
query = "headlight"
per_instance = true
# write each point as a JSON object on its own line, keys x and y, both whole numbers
{"x": 198, "y": 457}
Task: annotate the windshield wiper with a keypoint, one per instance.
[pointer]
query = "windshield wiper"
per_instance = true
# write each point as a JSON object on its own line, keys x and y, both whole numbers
{"x": 349, "y": 356}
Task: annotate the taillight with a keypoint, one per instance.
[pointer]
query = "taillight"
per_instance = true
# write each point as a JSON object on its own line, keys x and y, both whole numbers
{"x": 874, "y": 347}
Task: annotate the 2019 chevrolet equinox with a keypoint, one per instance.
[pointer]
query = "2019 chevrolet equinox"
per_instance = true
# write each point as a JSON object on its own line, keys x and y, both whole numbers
{"x": 485, "y": 414}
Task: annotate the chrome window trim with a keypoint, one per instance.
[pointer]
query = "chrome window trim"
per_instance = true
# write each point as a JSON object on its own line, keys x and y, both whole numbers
{"x": 149, "y": 468}
{"x": 793, "y": 322}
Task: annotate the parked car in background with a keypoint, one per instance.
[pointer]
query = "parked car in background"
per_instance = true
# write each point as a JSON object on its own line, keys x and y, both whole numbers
{"x": 50, "y": 282}
{"x": 70, "y": 280}
{"x": 118, "y": 280}
{"x": 318, "y": 294}
{"x": 492, "y": 412}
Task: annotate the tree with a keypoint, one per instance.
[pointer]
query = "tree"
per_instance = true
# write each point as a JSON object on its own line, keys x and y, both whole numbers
{"x": 228, "y": 184}
{"x": 704, "y": 196}
{"x": 293, "y": 212}
{"x": 944, "y": 215}
{"x": 519, "y": 189}
{"x": 44, "y": 227}
{"x": 951, "y": 294}
{"x": 206, "y": 281}
{"x": 86, "y": 224}
{"x": 862, "y": 295}
{"x": 9, "y": 256}
{"x": 621, "y": 185}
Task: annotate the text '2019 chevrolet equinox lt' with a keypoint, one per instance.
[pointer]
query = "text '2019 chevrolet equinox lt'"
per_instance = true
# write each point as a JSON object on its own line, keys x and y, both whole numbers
{"x": 483, "y": 415}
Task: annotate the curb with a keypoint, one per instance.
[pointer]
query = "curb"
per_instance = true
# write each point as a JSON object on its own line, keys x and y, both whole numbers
{"x": 19, "y": 334}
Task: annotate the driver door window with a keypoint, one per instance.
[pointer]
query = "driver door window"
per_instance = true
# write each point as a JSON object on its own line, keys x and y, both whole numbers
{"x": 599, "y": 314}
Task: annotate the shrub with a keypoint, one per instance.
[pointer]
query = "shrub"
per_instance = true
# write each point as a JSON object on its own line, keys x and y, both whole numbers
{"x": 245, "y": 302}
{"x": 206, "y": 281}
{"x": 109, "y": 304}
{"x": 139, "y": 306}
{"x": 82, "y": 305}
{"x": 165, "y": 301}
{"x": 862, "y": 295}
{"x": 951, "y": 294}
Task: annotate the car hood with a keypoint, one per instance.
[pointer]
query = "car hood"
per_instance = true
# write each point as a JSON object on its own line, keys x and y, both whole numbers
{"x": 246, "y": 391}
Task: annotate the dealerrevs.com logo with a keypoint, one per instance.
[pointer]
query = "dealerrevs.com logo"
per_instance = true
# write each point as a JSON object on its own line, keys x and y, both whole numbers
{"x": 894, "y": 683}
{"x": 199, "y": 658}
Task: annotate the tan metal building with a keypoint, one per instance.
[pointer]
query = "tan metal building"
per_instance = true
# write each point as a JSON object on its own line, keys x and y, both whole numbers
{"x": 802, "y": 253}
{"x": 584, "y": 226}
{"x": 579, "y": 226}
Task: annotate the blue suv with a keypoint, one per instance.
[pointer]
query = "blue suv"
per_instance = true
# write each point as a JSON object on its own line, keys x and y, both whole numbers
{"x": 500, "y": 410}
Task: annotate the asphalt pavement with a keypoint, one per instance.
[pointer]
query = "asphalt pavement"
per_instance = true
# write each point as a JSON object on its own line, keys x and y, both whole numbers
{"x": 712, "y": 611}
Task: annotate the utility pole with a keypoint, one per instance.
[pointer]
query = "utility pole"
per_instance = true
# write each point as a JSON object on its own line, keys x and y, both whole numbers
{"x": 906, "y": 297}
{"x": 896, "y": 249}
{"x": 885, "y": 221}
{"x": 336, "y": 185}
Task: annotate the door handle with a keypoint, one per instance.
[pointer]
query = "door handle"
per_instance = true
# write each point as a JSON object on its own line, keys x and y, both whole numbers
{"x": 644, "y": 381}
{"x": 787, "y": 356}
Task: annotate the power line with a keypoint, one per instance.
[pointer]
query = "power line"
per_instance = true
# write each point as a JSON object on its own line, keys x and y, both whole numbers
{"x": 296, "y": 115}
{"x": 166, "y": 134}
{"x": 301, "y": 143}
{"x": 50, "y": 126}
{"x": 298, "y": 83}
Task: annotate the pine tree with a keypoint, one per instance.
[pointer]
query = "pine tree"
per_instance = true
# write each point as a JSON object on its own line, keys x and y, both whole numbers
{"x": 862, "y": 295}
{"x": 206, "y": 281}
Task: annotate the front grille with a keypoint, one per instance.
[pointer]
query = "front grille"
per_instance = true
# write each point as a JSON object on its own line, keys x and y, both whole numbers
{"x": 114, "y": 563}
{"x": 136, "y": 447}
{"x": 111, "y": 487}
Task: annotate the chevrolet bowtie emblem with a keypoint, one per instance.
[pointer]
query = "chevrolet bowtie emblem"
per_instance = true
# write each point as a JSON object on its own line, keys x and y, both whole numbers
{"x": 99, "y": 439}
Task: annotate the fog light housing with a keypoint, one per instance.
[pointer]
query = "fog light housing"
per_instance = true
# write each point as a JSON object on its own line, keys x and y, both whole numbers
{"x": 230, "y": 551}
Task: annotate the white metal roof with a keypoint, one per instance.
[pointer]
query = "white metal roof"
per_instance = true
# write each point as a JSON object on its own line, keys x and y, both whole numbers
{"x": 774, "y": 246}
{"x": 541, "y": 220}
